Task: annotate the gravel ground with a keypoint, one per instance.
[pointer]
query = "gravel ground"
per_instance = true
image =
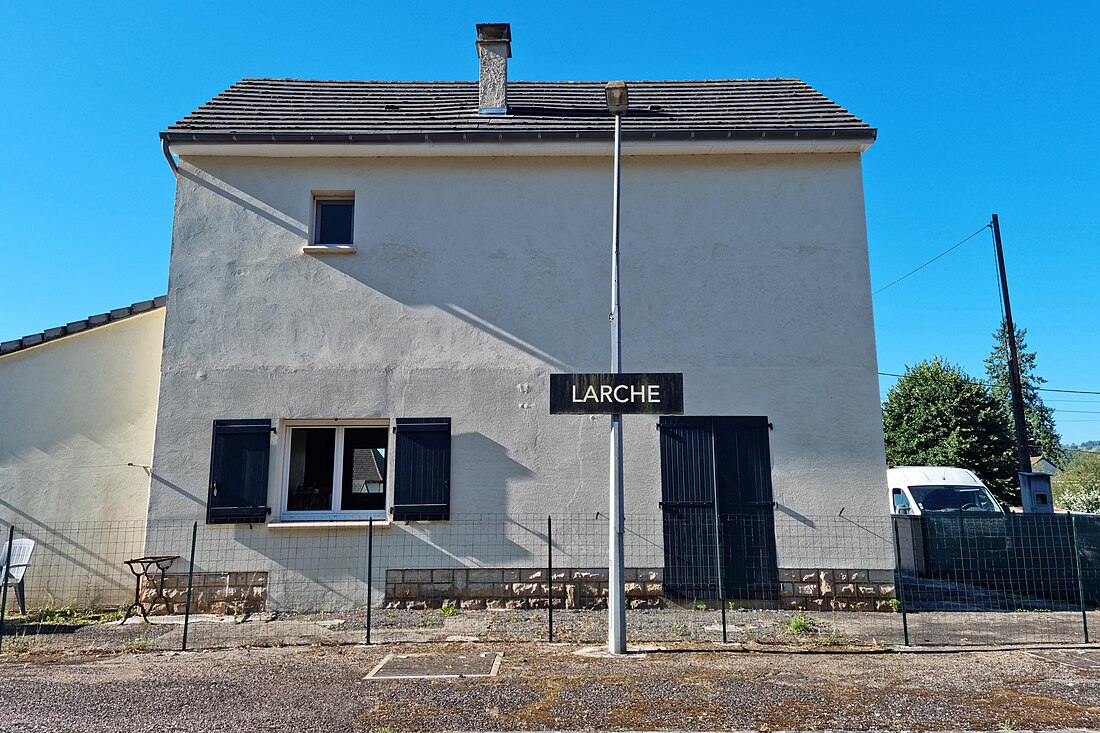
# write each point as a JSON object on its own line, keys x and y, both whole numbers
{"x": 659, "y": 626}
{"x": 692, "y": 686}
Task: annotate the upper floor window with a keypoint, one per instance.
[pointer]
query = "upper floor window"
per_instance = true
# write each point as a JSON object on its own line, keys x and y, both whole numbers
{"x": 333, "y": 218}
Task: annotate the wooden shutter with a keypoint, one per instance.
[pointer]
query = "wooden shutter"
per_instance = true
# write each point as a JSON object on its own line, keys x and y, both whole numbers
{"x": 238, "y": 472}
{"x": 687, "y": 507}
{"x": 422, "y": 468}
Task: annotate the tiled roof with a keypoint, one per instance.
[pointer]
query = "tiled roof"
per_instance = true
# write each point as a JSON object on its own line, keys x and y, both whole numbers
{"x": 102, "y": 319}
{"x": 366, "y": 466}
{"x": 299, "y": 110}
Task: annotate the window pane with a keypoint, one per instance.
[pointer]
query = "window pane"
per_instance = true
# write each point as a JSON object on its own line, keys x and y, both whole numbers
{"x": 312, "y": 452}
{"x": 334, "y": 220}
{"x": 364, "y": 469}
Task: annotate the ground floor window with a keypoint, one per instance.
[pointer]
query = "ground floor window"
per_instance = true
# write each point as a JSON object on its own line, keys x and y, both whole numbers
{"x": 335, "y": 471}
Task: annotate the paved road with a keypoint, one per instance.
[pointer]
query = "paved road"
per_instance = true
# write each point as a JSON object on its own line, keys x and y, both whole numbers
{"x": 546, "y": 687}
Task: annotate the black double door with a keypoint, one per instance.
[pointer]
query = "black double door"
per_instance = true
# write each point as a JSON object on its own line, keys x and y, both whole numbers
{"x": 717, "y": 508}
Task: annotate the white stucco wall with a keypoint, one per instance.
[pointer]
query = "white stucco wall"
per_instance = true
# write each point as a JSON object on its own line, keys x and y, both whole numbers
{"x": 73, "y": 413}
{"x": 475, "y": 278}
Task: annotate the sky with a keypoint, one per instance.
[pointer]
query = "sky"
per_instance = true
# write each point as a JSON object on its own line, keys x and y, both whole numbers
{"x": 980, "y": 107}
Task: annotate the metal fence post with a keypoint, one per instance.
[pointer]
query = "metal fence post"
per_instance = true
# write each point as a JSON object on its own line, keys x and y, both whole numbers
{"x": 190, "y": 582}
{"x": 370, "y": 574}
{"x": 4, "y": 583}
{"x": 900, "y": 591}
{"x": 1080, "y": 577}
{"x": 718, "y": 538}
{"x": 550, "y": 577}
{"x": 718, "y": 546}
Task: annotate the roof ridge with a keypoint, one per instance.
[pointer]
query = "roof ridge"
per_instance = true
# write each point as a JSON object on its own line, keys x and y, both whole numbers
{"x": 100, "y": 319}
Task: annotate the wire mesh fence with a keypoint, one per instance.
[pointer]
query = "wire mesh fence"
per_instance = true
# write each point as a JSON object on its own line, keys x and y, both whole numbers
{"x": 691, "y": 576}
{"x": 1021, "y": 578}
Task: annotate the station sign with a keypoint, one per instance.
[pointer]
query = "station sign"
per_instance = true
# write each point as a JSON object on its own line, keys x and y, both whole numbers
{"x": 617, "y": 394}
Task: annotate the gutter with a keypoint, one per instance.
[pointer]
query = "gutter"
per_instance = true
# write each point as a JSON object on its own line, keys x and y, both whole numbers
{"x": 168, "y": 154}
{"x": 862, "y": 133}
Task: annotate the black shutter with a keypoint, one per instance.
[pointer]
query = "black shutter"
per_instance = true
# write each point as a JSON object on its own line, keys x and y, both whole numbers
{"x": 687, "y": 507}
{"x": 238, "y": 472}
{"x": 422, "y": 468}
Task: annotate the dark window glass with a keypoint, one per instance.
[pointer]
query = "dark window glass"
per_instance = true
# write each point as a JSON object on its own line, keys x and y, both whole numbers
{"x": 953, "y": 498}
{"x": 333, "y": 221}
{"x": 364, "y": 481}
{"x": 312, "y": 452}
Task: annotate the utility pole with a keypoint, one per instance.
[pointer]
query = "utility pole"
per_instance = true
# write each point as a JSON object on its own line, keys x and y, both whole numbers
{"x": 1023, "y": 453}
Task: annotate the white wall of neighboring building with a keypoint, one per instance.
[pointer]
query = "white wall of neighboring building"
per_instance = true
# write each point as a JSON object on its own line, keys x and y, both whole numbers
{"x": 73, "y": 413}
{"x": 477, "y": 277}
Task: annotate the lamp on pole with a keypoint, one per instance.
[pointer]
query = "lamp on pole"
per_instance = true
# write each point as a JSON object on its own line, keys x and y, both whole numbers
{"x": 617, "y": 104}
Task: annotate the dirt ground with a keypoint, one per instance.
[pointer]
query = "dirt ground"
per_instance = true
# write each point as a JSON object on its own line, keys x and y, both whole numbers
{"x": 540, "y": 686}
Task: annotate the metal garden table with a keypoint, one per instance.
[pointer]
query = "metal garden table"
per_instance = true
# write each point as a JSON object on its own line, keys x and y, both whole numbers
{"x": 152, "y": 568}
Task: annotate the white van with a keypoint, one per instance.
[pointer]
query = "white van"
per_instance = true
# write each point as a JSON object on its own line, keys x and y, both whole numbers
{"x": 916, "y": 490}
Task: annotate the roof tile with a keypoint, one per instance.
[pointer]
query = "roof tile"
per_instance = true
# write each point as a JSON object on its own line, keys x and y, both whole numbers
{"x": 300, "y": 110}
{"x": 34, "y": 339}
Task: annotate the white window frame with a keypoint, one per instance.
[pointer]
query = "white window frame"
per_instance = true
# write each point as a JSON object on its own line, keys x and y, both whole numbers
{"x": 318, "y": 197}
{"x": 286, "y": 429}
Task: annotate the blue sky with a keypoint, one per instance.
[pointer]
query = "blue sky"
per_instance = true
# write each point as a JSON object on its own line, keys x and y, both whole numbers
{"x": 981, "y": 108}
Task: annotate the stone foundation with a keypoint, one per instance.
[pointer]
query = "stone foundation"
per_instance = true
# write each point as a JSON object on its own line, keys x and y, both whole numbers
{"x": 220, "y": 593}
{"x": 811, "y": 589}
{"x": 830, "y": 589}
{"x": 478, "y": 588}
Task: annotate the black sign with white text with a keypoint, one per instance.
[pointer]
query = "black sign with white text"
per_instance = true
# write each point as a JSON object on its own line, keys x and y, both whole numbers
{"x": 617, "y": 394}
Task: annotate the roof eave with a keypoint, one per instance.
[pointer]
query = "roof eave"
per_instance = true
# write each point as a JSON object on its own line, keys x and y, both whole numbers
{"x": 868, "y": 134}
{"x": 82, "y": 326}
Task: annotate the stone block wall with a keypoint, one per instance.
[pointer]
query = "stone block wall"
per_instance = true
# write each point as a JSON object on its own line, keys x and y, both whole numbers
{"x": 830, "y": 589}
{"x": 220, "y": 593}
{"x": 478, "y": 588}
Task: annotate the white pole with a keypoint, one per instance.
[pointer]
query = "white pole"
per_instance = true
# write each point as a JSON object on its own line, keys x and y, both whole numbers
{"x": 616, "y": 595}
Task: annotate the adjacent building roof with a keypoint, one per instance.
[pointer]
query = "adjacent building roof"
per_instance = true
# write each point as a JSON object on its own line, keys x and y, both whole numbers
{"x": 366, "y": 466}
{"x": 102, "y": 319}
{"x": 301, "y": 110}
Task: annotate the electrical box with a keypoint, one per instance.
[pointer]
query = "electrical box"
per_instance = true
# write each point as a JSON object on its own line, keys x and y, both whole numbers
{"x": 1036, "y": 496}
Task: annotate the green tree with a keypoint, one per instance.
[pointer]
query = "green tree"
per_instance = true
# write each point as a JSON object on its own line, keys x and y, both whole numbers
{"x": 936, "y": 415}
{"x": 1042, "y": 435}
{"x": 1077, "y": 486}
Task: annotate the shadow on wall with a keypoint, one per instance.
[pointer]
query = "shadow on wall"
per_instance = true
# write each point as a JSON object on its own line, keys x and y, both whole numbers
{"x": 483, "y": 470}
{"x": 451, "y": 248}
{"x": 243, "y": 199}
{"x": 76, "y": 563}
{"x": 178, "y": 489}
{"x": 510, "y": 291}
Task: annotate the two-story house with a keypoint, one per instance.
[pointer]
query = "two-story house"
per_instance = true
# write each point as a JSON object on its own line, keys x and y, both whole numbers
{"x": 372, "y": 282}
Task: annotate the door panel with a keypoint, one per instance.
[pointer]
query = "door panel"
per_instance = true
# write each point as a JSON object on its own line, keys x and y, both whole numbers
{"x": 723, "y": 460}
{"x": 743, "y": 461}
{"x": 687, "y": 503}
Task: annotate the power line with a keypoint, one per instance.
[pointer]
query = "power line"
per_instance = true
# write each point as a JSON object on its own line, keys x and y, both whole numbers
{"x": 986, "y": 384}
{"x": 926, "y": 264}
